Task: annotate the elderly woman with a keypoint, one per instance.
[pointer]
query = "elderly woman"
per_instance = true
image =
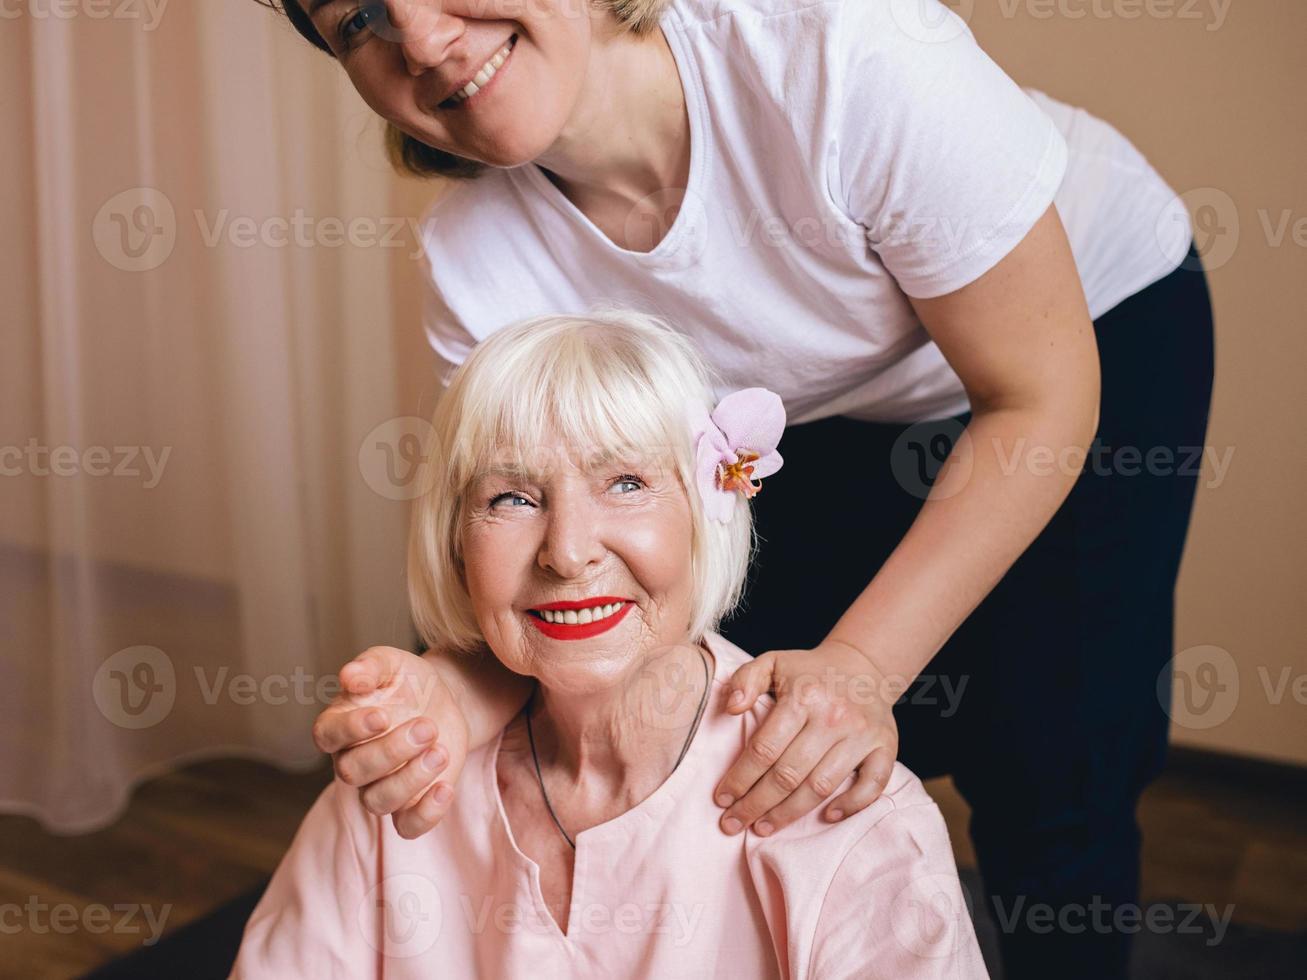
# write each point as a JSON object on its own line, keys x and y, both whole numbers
{"x": 587, "y": 524}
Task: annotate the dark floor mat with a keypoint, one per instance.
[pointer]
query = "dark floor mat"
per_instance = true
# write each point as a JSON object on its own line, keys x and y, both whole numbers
{"x": 202, "y": 950}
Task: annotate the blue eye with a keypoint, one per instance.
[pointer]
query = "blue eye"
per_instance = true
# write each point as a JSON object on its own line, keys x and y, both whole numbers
{"x": 628, "y": 478}
{"x": 494, "y": 501}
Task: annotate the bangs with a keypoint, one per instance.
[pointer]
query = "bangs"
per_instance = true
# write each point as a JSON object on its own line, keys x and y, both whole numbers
{"x": 570, "y": 393}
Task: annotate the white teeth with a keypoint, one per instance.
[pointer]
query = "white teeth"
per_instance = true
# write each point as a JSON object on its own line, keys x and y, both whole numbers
{"x": 579, "y": 617}
{"x": 486, "y": 73}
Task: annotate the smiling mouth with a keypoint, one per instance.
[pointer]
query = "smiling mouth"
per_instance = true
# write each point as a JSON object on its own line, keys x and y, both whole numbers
{"x": 579, "y": 624}
{"x": 482, "y": 79}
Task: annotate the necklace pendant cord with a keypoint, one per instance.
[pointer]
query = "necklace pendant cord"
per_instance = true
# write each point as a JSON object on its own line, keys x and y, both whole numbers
{"x": 703, "y": 701}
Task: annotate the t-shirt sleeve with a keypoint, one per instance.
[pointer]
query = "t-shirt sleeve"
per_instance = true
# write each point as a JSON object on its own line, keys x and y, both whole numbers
{"x": 943, "y": 159}
{"x": 451, "y": 341}
{"x": 312, "y": 920}
{"x": 895, "y": 907}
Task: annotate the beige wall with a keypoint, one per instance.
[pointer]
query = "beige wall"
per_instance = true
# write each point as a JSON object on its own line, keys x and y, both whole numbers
{"x": 1212, "y": 93}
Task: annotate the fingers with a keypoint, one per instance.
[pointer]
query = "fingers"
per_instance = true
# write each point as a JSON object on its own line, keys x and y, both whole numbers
{"x": 750, "y": 682}
{"x": 414, "y": 821}
{"x": 362, "y": 764}
{"x": 787, "y": 777}
{"x": 342, "y": 725}
{"x": 764, "y": 747}
{"x": 873, "y": 777}
{"x": 824, "y": 778}
{"x": 394, "y": 791}
{"x": 371, "y": 669}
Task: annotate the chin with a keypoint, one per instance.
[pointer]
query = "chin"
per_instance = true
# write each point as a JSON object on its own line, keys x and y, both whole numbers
{"x": 507, "y": 150}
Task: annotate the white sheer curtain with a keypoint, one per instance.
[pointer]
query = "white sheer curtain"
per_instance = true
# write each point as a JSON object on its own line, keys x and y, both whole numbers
{"x": 202, "y": 330}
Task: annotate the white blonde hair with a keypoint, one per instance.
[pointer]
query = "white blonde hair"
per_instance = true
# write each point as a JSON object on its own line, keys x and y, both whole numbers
{"x": 614, "y": 384}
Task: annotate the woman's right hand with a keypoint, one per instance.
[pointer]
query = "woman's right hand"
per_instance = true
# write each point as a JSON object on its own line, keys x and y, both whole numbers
{"x": 393, "y": 730}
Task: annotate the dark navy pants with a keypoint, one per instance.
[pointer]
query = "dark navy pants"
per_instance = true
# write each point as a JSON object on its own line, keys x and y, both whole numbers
{"x": 1044, "y": 704}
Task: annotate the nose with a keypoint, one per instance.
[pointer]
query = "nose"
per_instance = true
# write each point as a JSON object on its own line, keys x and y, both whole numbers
{"x": 423, "y": 32}
{"x": 572, "y": 541}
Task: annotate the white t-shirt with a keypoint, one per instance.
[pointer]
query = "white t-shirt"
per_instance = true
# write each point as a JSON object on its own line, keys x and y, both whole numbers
{"x": 844, "y": 156}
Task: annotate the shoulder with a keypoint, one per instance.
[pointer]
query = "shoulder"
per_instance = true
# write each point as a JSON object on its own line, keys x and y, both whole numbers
{"x": 467, "y": 213}
{"x": 877, "y": 893}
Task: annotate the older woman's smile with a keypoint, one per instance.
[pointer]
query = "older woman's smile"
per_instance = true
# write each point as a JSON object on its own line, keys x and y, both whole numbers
{"x": 579, "y": 620}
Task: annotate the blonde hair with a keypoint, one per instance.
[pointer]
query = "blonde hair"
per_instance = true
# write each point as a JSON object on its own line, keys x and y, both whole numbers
{"x": 412, "y": 156}
{"x": 611, "y": 385}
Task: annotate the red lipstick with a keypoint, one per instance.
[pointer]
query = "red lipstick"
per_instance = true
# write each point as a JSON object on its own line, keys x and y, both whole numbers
{"x": 580, "y": 631}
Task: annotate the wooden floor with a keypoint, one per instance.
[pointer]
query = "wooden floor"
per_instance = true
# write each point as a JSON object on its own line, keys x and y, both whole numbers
{"x": 199, "y": 837}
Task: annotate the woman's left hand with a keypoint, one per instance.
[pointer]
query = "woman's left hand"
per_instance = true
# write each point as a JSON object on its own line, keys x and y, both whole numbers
{"x": 833, "y": 714}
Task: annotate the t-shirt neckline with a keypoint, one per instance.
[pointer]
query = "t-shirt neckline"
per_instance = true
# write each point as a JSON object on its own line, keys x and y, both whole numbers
{"x": 689, "y": 218}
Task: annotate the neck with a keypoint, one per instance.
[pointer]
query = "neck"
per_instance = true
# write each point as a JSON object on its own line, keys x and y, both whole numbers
{"x": 622, "y": 742}
{"x": 628, "y": 136}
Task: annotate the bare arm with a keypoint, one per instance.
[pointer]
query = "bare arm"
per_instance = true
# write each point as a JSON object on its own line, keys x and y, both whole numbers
{"x": 488, "y": 693}
{"x": 1021, "y": 340}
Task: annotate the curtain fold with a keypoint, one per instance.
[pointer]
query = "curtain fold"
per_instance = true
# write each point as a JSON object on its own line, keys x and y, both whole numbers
{"x": 200, "y": 339}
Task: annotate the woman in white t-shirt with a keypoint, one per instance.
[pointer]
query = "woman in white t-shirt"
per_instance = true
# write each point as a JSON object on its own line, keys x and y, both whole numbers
{"x": 993, "y": 339}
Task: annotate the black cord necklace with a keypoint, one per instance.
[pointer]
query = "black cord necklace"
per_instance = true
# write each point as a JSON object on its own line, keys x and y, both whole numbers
{"x": 707, "y": 683}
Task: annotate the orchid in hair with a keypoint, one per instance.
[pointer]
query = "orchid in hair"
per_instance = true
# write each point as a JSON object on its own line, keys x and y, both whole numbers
{"x": 735, "y": 447}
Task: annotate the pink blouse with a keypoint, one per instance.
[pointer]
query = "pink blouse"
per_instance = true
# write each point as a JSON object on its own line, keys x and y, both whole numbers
{"x": 657, "y": 892}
